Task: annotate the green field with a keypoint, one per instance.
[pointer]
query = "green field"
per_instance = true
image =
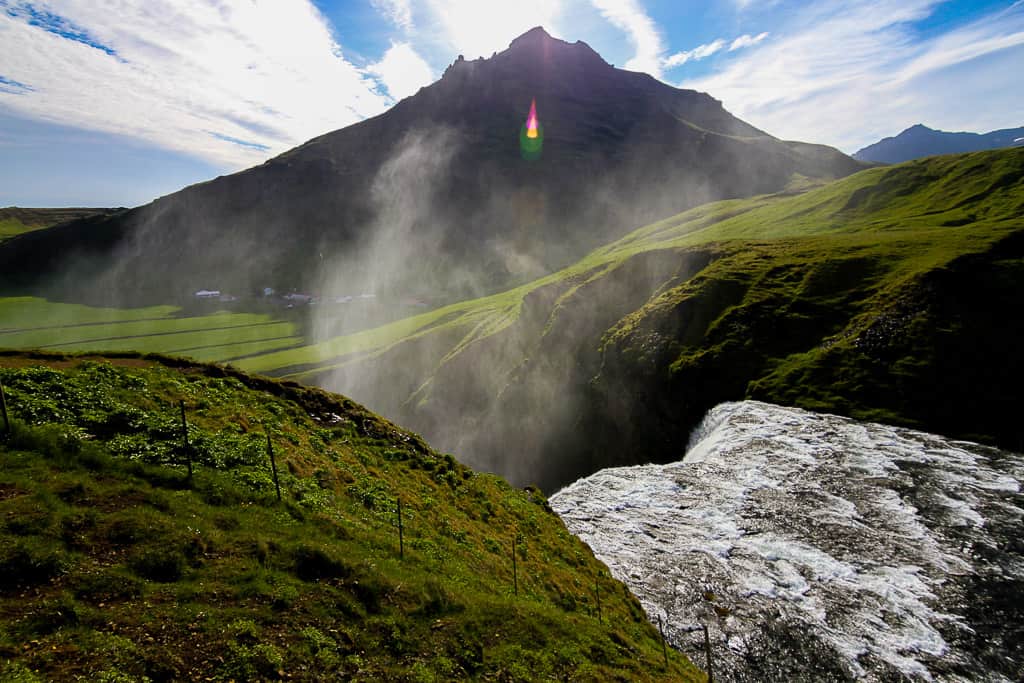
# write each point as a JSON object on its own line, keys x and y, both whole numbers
{"x": 31, "y": 322}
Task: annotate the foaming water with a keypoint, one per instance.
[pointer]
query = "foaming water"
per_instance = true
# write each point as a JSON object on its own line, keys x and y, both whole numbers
{"x": 834, "y": 550}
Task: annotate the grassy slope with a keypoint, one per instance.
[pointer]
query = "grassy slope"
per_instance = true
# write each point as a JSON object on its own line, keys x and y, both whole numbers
{"x": 850, "y": 297}
{"x": 849, "y": 275}
{"x": 31, "y": 322}
{"x": 15, "y": 220}
{"x": 9, "y": 227}
{"x": 113, "y": 566}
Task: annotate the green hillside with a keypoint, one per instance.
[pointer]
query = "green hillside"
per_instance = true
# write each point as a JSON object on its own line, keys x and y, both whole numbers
{"x": 15, "y": 220}
{"x": 117, "y": 565}
{"x": 888, "y": 295}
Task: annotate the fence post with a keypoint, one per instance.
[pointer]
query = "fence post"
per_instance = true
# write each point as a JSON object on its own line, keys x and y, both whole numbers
{"x": 515, "y": 571}
{"x": 664, "y": 648}
{"x": 3, "y": 409}
{"x": 707, "y": 653}
{"x": 273, "y": 467}
{"x": 184, "y": 436}
{"x": 401, "y": 539}
{"x": 597, "y": 593}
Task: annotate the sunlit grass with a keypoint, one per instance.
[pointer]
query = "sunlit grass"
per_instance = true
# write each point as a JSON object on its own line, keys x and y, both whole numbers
{"x": 9, "y": 227}
{"x": 31, "y": 322}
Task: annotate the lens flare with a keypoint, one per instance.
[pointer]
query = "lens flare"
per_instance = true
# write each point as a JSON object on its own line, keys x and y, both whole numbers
{"x": 531, "y": 136}
{"x": 531, "y": 120}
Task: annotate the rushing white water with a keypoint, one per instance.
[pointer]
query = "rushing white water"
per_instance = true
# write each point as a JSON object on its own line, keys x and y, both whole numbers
{"x": 818, "y": 548}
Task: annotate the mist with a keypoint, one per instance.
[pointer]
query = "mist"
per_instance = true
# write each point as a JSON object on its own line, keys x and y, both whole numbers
{"x": 512, "y": 402}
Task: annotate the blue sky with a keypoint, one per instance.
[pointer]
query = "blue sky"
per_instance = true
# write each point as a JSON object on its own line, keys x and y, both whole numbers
{"x": 116, "y": 102}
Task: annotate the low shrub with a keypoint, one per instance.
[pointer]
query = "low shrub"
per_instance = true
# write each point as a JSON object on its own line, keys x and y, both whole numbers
{"x": 164, "y": 566}
{"x": 313, "y": 564}
{"x": 31, "y": 562}
{"x": 106, "y": 586}
{"x": 51, "y": 615}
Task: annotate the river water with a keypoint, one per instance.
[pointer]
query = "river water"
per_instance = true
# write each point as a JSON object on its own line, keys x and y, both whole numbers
{"x": 819, "y": 548}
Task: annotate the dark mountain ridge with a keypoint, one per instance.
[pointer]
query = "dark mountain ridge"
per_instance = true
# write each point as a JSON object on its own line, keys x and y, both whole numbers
{"x": 441, "y": 175}
{"x": 921, "y": 141}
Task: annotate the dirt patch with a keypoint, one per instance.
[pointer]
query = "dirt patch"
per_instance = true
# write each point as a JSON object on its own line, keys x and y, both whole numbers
{"x": 8, "y": 491}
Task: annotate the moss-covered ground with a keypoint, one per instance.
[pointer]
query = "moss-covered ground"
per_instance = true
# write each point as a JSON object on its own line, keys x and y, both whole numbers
{"x": 116, "y": 565}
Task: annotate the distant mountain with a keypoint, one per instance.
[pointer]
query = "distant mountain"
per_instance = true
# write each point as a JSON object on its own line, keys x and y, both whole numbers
{"x": 921, "y": 141}
{"x": 891, "y": 295}
{"x": 434, "y": 195}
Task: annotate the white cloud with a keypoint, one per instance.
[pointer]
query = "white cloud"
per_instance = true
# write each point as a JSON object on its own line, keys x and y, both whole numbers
{"x": 629, "y": 17}
{"x": 696, "y": 54}
{"x": 231, "y": 82}
{"x": 849, "y": 72}
{"x": 399, "y": 12}
{"x": 477, "y": 28}
{"x": 708, "y": 49}
{"x": 747, "y": 40}
{"x": 402, "y": 70}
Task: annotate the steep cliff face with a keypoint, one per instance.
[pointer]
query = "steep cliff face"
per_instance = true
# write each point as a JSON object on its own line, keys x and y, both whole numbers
{"x": 441, "y": 171}
{"x": 819, "y": 548}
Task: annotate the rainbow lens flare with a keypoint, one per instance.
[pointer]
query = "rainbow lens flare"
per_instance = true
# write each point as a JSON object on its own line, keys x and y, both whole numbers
{"x": 531, "y": 136}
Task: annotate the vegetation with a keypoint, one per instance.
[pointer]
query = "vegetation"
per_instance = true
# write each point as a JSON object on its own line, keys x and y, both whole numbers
{"x": 116, "y": 565}
{"x": 888, "y": 295}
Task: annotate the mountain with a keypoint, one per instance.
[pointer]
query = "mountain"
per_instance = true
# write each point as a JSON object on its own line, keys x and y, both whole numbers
{"x": 817, "y": 548}
{"x": 434, "y": 196}
{"x": 920, "y": 141}
{"x": 117, "y": 564}
{"x": 890, "y": 295}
